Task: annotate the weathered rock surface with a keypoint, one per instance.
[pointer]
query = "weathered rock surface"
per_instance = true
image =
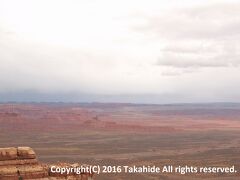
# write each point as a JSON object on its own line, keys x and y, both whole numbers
{"x": 26, "y": 153}
{"x": 21, "y": 163}
{"x": 8, "y": 153}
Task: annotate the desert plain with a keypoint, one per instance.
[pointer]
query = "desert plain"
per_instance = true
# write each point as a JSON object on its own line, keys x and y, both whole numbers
{"x": 116, "y": 134}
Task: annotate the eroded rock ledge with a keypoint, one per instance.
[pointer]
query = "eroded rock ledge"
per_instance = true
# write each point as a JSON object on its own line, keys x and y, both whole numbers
{"x": 21, "y": 163}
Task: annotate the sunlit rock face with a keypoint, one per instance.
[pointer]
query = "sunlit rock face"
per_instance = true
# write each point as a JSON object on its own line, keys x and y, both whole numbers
{"x": 21, "y": 163}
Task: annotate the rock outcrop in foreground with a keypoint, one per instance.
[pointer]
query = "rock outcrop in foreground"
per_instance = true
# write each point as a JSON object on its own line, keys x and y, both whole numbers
{"x": 21, "y": 163}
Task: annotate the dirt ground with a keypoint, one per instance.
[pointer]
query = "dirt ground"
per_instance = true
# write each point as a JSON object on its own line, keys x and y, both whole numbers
{"x": 126, "y": 134}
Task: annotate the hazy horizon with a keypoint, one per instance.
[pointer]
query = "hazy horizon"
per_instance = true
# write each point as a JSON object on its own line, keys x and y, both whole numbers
{"x": 152, "y": 52}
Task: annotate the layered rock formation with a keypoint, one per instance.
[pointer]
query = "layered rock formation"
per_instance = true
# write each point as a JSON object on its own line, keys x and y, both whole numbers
{"x": 21, "y": 163}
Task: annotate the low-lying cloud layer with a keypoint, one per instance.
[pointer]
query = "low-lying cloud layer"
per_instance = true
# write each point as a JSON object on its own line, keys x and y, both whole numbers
{"x": 149, "y": 51}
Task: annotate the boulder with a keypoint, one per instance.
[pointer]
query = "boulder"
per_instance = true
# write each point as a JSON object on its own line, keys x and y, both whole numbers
{"x": 32, "y": 171}
{"x": 8, "y": 172}
{"x": 9, "y": 153}
{"x": 25, "y": 153}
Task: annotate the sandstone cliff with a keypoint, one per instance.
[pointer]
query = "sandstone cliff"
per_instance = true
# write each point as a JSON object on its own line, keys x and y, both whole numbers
{"x": 21, "y": 163}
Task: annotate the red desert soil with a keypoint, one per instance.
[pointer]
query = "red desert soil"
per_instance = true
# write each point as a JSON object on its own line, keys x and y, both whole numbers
{"x": 127, "y": 134}
{"x": 122, "y": 117}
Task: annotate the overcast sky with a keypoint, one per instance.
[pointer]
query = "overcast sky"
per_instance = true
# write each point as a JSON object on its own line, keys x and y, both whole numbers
{"x": 147, "y": 51}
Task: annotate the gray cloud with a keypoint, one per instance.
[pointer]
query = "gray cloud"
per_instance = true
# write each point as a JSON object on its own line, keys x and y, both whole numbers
{"x": 185, "y": 58}
{"x": 204, "y": 36}
{"x": 208, "y": 22}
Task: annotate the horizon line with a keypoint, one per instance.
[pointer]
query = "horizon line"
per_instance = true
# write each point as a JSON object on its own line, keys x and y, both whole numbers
{"x": 126, "y": 103}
